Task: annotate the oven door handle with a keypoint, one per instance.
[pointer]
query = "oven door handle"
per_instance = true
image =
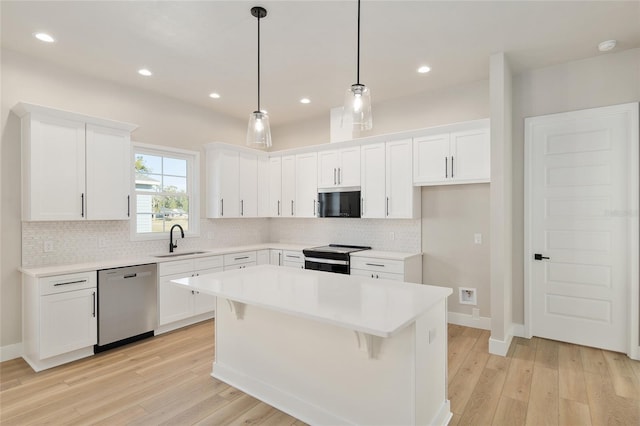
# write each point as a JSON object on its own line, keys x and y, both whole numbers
{"x": 328, "y": 261}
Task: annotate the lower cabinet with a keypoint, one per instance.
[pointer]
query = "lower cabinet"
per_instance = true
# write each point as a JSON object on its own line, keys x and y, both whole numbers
{"x": 177, "y": 304}
{"x": 263, "y": 257}
{"x": 408, "y": 269}
{"x": 59, "y": 318}
{"x": 293, "y": 259}
{"x": 275, "y": 257}
{"x": 240, "y": 260}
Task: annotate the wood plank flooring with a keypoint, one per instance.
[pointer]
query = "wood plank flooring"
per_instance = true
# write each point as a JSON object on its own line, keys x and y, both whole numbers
{"x": 165, "y": 381}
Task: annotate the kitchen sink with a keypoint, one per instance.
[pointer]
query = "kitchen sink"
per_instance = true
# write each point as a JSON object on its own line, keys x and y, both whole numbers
{"x": 179, "y": 254}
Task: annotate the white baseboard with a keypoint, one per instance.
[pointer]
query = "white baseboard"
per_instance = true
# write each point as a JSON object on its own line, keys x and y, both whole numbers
{"x": 467, "y": 320}
{"x": 10, "y": 352}
{"x": 500, "y": 347}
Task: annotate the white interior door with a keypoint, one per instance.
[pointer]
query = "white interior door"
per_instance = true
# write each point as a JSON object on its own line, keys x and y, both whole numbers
{"x": 580, "y": 182}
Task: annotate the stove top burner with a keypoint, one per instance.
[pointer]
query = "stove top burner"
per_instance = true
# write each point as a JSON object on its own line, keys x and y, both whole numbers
{"x": 337, "y": 248}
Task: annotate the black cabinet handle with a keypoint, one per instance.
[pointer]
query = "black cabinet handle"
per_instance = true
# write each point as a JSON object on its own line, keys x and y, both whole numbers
{"x": 241, "y": 207}
{"x": 539, "y": 256}
{"x": 128, "y": 205}
{"x": 94, "y": 304}
{"x": 222, "y": 207}
{"x": 446, "y": 167}
{"x": 452, "y": 166}
{"x": 278, "y": 207}
{"x": 82, "y": 202}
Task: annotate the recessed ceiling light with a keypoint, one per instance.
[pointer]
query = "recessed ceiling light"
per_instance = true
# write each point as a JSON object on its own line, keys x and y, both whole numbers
{"x": 214, "y": 95}
{"x": 305, "y": 101}
{"x": 424, "y": 69}
{"x": 606, "y": 46}
{"x": 44, "y": 37}
{"x": 145, "y": 72}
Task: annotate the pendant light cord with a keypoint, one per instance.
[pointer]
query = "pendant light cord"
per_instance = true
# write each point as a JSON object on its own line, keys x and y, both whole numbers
{"x": 358, "y": 64}
{"x": 259, "y": 63}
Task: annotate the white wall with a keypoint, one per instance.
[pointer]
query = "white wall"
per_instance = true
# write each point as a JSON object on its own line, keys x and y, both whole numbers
{"x": 162, "y": 121}
{"x": 607, "y": 79}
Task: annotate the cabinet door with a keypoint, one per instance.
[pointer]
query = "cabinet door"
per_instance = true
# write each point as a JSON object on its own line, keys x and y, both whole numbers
{"x": 203, "y": 303}
{"x": 275, "y": 257}
{"x": 108, "y": 173}
{"x": 372, "y": 174}
{"x": 222, "y": 183}
{"x": 263, "y": 186}
{"x": 68, "y": 322}
{"x": 175, "y": 302}
{"x": 248, "y": 185}
{"x": 306, "y": 185}
{"x": 431, "y": 159}
{"x": 399, "y": 179}
{"x": 349, "y": 167}
{"x": 54, "y": 169}
{"x": 470, "y": 156}
{"x": 275, "y": 187}
{"x": 327, "y": 169}
{"x": 262, "y": 257}
{"x": 288, "y": 185}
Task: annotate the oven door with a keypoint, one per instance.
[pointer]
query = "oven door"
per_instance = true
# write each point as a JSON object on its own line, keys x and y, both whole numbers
{"x": 327, "y": 265}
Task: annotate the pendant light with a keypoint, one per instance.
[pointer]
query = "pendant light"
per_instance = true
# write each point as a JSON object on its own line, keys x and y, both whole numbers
{"x": 259, "y": 132}
{"x": 357, "y": 101}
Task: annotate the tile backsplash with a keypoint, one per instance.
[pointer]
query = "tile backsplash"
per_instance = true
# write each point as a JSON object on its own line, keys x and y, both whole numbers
{"x": 78, "y": 242}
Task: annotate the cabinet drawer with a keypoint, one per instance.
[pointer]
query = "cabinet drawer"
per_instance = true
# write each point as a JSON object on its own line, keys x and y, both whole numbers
{"x": 68, "y": 282}
{"x": 292, "y": 256}
{"x": 378, "y": 265}
{"x": 239, "y": 266}
{"x": 377, "y": 275}
{"x": 176, "y": 267}
{"x": 299, "y": 265}
{"x": 239, "y": 258}
{"x": 208, "y": 263}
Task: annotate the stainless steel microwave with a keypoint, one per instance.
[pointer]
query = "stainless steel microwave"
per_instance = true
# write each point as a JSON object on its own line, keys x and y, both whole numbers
{"x": 339, "y": 204}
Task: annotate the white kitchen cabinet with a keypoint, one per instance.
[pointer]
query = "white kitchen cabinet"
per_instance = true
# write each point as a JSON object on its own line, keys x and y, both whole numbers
{"x": 263, "y": 186}
{"x": 454, "y": 157}
{"x": 404, "y": 268}
{"x": 232, "y": 182}
{"x": 59, "y": 318}
{"x": 179, "y": 306}
{"x": 262, "y": 257}
{"x": 386, "y": 181}
{"x": 402, "y": 198}
{"x": 339, "y": 168}
{"x": 306, "y": 185}
{"x": 275, "y": 257}
{"x": 288, "y": 185}
{"x": 275, "y": 187}
{"x": 74, "y": 167}
{"x": 293, "y": 259}
{"x": 240, "y": 260}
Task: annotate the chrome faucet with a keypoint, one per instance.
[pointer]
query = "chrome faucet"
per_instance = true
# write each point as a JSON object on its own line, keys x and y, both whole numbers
{"x": 171, "y": 244}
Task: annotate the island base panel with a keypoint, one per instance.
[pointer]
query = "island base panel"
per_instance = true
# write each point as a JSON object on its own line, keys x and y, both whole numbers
{"x": 323, "y": 374}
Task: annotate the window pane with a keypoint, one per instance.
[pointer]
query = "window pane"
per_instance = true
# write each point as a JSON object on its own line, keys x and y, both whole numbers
{"x": 148, "y": 182}
{"x": 175, "y": 184}
{"x": 147, "y": 163}
{"x": 174, "y": 167}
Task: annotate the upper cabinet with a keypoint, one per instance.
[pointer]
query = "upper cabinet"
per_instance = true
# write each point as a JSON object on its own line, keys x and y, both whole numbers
{"x": 387, "y": 190}
{"x": 306, "y": 191}
{"x": 453, "y": 157}
{"x": 275, "y": 187}
{"x": 339, "y": 168}
{"x": 232, "y": 182}
{"x": 74, "y": 167}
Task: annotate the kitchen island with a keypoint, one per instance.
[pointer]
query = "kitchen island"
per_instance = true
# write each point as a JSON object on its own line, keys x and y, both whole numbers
{"x": 331, "y": 349}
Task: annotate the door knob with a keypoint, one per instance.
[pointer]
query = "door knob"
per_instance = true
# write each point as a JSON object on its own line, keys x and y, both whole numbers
{"x": 538, "y": 256}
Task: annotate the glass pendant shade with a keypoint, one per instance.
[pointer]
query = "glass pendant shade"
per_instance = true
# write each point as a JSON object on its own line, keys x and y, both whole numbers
{"x": 357, "y": 108}
{"x": 259, "y": 131}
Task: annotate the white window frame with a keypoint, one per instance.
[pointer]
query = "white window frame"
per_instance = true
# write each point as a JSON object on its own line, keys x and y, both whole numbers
{"x": 193, "y": 189}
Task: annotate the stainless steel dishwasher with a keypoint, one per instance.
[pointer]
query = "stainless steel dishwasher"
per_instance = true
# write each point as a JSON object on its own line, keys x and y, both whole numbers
{"x": 127, "y": 305}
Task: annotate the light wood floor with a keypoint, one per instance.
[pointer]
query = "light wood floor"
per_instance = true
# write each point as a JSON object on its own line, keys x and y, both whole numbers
{"x": 165, "y": 380}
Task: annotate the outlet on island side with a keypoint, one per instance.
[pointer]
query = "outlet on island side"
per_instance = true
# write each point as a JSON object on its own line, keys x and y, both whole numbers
{"x": 467, "y": 296}
{"x": 48, "y": 246}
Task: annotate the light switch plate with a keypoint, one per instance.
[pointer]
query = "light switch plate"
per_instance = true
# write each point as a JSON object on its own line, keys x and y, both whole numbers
{"x": 477, "y": 238}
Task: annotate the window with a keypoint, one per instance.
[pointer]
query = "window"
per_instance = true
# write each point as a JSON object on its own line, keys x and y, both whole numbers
{"x": 165, "y": 182}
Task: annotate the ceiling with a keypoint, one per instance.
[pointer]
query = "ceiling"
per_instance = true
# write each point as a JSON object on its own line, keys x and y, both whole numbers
{"x": 308, "y": 48}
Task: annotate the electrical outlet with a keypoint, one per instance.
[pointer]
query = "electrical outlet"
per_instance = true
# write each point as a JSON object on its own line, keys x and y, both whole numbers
{"x": 477, "y": 238}
{"x": 102, "y": 242}
{"x": 475, "y": 313}
{"x": 48, "y": 246}
{"x": 467, "y": 296}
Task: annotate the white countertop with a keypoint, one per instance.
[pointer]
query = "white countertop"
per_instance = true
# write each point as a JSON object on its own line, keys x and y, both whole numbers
{"x": 46, "y": 271}
{"x": 378, "y": 307}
